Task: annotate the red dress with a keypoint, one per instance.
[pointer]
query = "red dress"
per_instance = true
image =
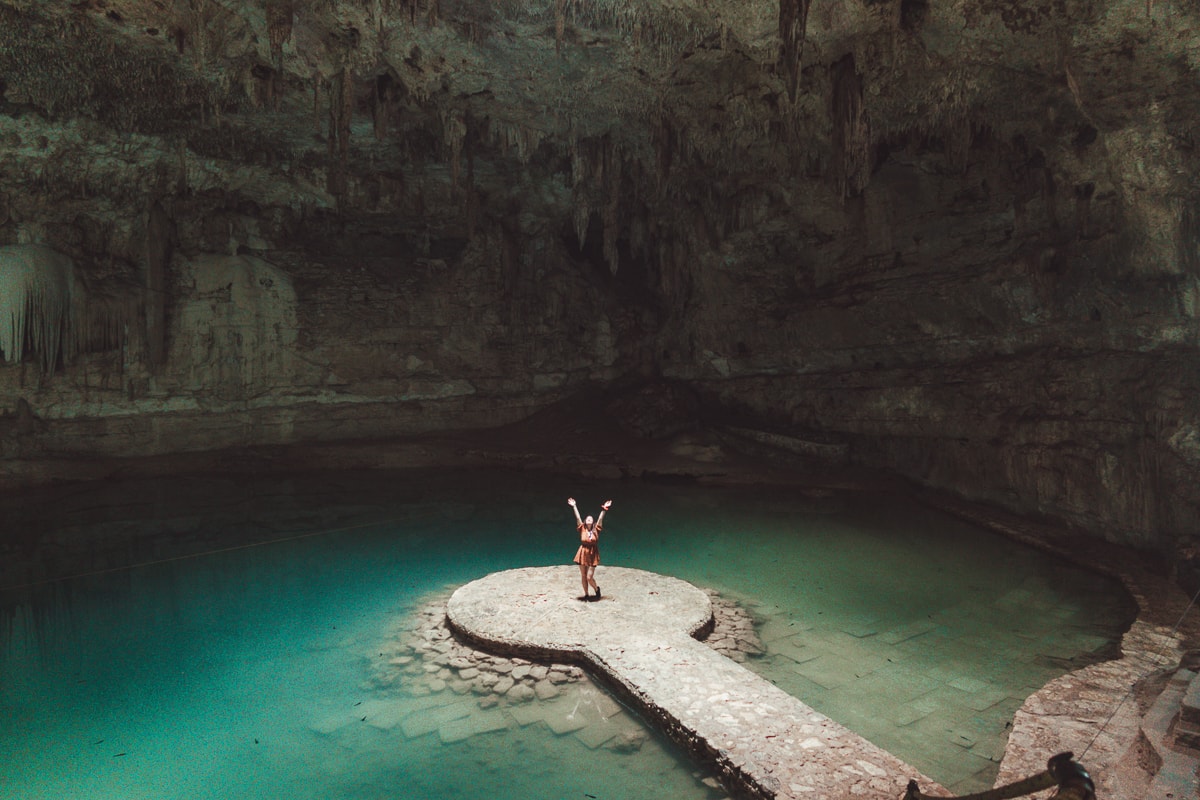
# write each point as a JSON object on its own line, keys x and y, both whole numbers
{"x": 588, "y": 554}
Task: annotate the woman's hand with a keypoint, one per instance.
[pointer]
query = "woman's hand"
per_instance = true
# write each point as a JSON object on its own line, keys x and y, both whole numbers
{"x": 607, "y": 505}
{"x": 571, "y": 502}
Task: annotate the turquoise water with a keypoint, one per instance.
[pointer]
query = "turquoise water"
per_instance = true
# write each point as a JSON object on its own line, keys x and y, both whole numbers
{"x": 178, "y": 662}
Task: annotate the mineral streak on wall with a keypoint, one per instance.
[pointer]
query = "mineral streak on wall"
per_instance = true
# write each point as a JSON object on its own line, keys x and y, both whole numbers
{"x": 952, "y": 240}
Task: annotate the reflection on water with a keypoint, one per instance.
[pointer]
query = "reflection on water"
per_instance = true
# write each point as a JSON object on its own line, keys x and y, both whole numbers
{"x": 218, "y": 635}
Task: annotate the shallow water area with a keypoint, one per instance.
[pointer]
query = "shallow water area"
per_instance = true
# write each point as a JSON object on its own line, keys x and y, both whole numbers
{"x": 226, "y": 638}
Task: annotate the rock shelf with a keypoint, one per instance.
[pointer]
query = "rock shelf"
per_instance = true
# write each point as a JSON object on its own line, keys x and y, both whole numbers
{"x": 639, "y": 639}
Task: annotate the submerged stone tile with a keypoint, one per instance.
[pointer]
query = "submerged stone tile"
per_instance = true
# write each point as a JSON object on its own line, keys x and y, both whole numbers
{"x": 382, "y": 714}
{"x": 981, "y": 701}
{"x": 565, "y": 721}
{"x": 910, "y": 631}
{"x": 420, "y": 724}
{"x": 331, "y": 723}
{"x": 860, "y": 629}
{"x": 602, "y": 731}
{"x": 969, "y": 684}
{"x": 776, "y": 628}
{"x": 903, "y": 682}
{"x": 908, "y": 714}
{"x": 473, "y": 725}
{"x": 828, "y": 671}
{"x": 527, "y": 714}
{"x": 546, "y": 690}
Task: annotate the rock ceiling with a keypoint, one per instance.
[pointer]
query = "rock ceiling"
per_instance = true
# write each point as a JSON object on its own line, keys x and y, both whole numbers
{"x": 613, "y": 108}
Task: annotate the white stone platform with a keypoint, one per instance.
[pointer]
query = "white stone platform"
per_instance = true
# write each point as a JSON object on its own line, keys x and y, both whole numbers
{"x": 639, "y": 640}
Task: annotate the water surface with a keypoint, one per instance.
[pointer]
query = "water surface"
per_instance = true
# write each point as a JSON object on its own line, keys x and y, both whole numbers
{"x": 192, "y": 638}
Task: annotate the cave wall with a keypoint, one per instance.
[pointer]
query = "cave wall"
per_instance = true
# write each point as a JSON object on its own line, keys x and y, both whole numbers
{"x": 1009, "y": 316}
{"x": 1024, "y": 349}
{"x": 279, "y": 347}
{"x": 957, "y": 239}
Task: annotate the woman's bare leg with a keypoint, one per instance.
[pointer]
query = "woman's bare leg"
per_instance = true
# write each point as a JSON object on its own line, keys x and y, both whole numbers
{"x": 591, "y": 578}
{"x": 583, "y": 576}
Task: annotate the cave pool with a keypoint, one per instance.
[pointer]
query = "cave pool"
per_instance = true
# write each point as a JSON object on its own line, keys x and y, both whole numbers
{"x": 147, "y": 652}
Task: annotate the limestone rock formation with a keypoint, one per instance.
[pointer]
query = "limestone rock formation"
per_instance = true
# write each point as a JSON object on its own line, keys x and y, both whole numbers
{"x": 952, "y": 240}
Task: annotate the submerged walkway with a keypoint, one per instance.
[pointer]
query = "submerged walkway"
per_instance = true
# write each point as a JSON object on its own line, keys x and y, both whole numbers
{"x": 639, "y": 640}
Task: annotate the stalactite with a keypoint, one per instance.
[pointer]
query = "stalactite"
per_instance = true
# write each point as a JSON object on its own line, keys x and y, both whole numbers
{"x": 851, "y": 135}
{"x": 316, "y": 78}
{"x": 181, "y": 155}
{"x": 279, "y": 31}
{"x": 610, "y": 215}
{"x": 578, "y": 164}
{"x": 704, "y": 228}
{"x": 341, "y": 113}
{"x": 333, "y": 178}
{"x": 636, "y": 235}
{"x": 472, "y": 213}
{"x": 957, "y": 135}
{"x": 592, "y": 160}
{"x": 582, "y": 216}
{"x": 158, "y": 245}
{"x": 664, "y": 268}
{"x": 665, "y": 144}
{"x": 642, "y": 233}
{"x": 673, "y": 259}
{"x": 196, "y": 28}
{"x": 560, "y": 24}
{"x": 379, "y": 108}
{"x": 279, "y": 28}
{"x": 454, "y": 133}
{"x": 383, "y": 104}
{"x": 346, "y": 114}
{"x": 39, "y": 304}
{"x": 515, "y": 136}
{"x": 110, "y": 317}
{"x": 1083, "y": 208}
{"x": 1050, "y": 197}
{"x": 472, "y": 198}
{"x": 793, "y": 22}
{"x": 411, "y": 7}
{"x": 671, "y": 26}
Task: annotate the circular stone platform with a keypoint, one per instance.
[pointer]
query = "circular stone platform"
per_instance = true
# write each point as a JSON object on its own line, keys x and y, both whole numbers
{"x": 640, "y": 640}
{"x": 537, "y": 610}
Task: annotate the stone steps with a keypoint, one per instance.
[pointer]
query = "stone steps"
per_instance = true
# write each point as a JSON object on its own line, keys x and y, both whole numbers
{"x": 1187, "y": 726}
{"x": 1170, "y": 727}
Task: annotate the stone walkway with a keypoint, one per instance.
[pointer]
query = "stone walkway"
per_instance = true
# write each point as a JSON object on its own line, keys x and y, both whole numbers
{"x": 639, "y": 640}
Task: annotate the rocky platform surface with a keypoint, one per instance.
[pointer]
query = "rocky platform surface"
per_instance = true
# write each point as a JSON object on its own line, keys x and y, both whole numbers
{"x": 455, "y": 691}
{"x": 639, "y": 640}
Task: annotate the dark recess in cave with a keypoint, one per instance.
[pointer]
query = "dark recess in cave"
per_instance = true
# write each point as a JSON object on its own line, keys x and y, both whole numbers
{"x": 1086, "y": 135}
{"x": 632, "y": 278}
{"x": 912, "y": 14}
